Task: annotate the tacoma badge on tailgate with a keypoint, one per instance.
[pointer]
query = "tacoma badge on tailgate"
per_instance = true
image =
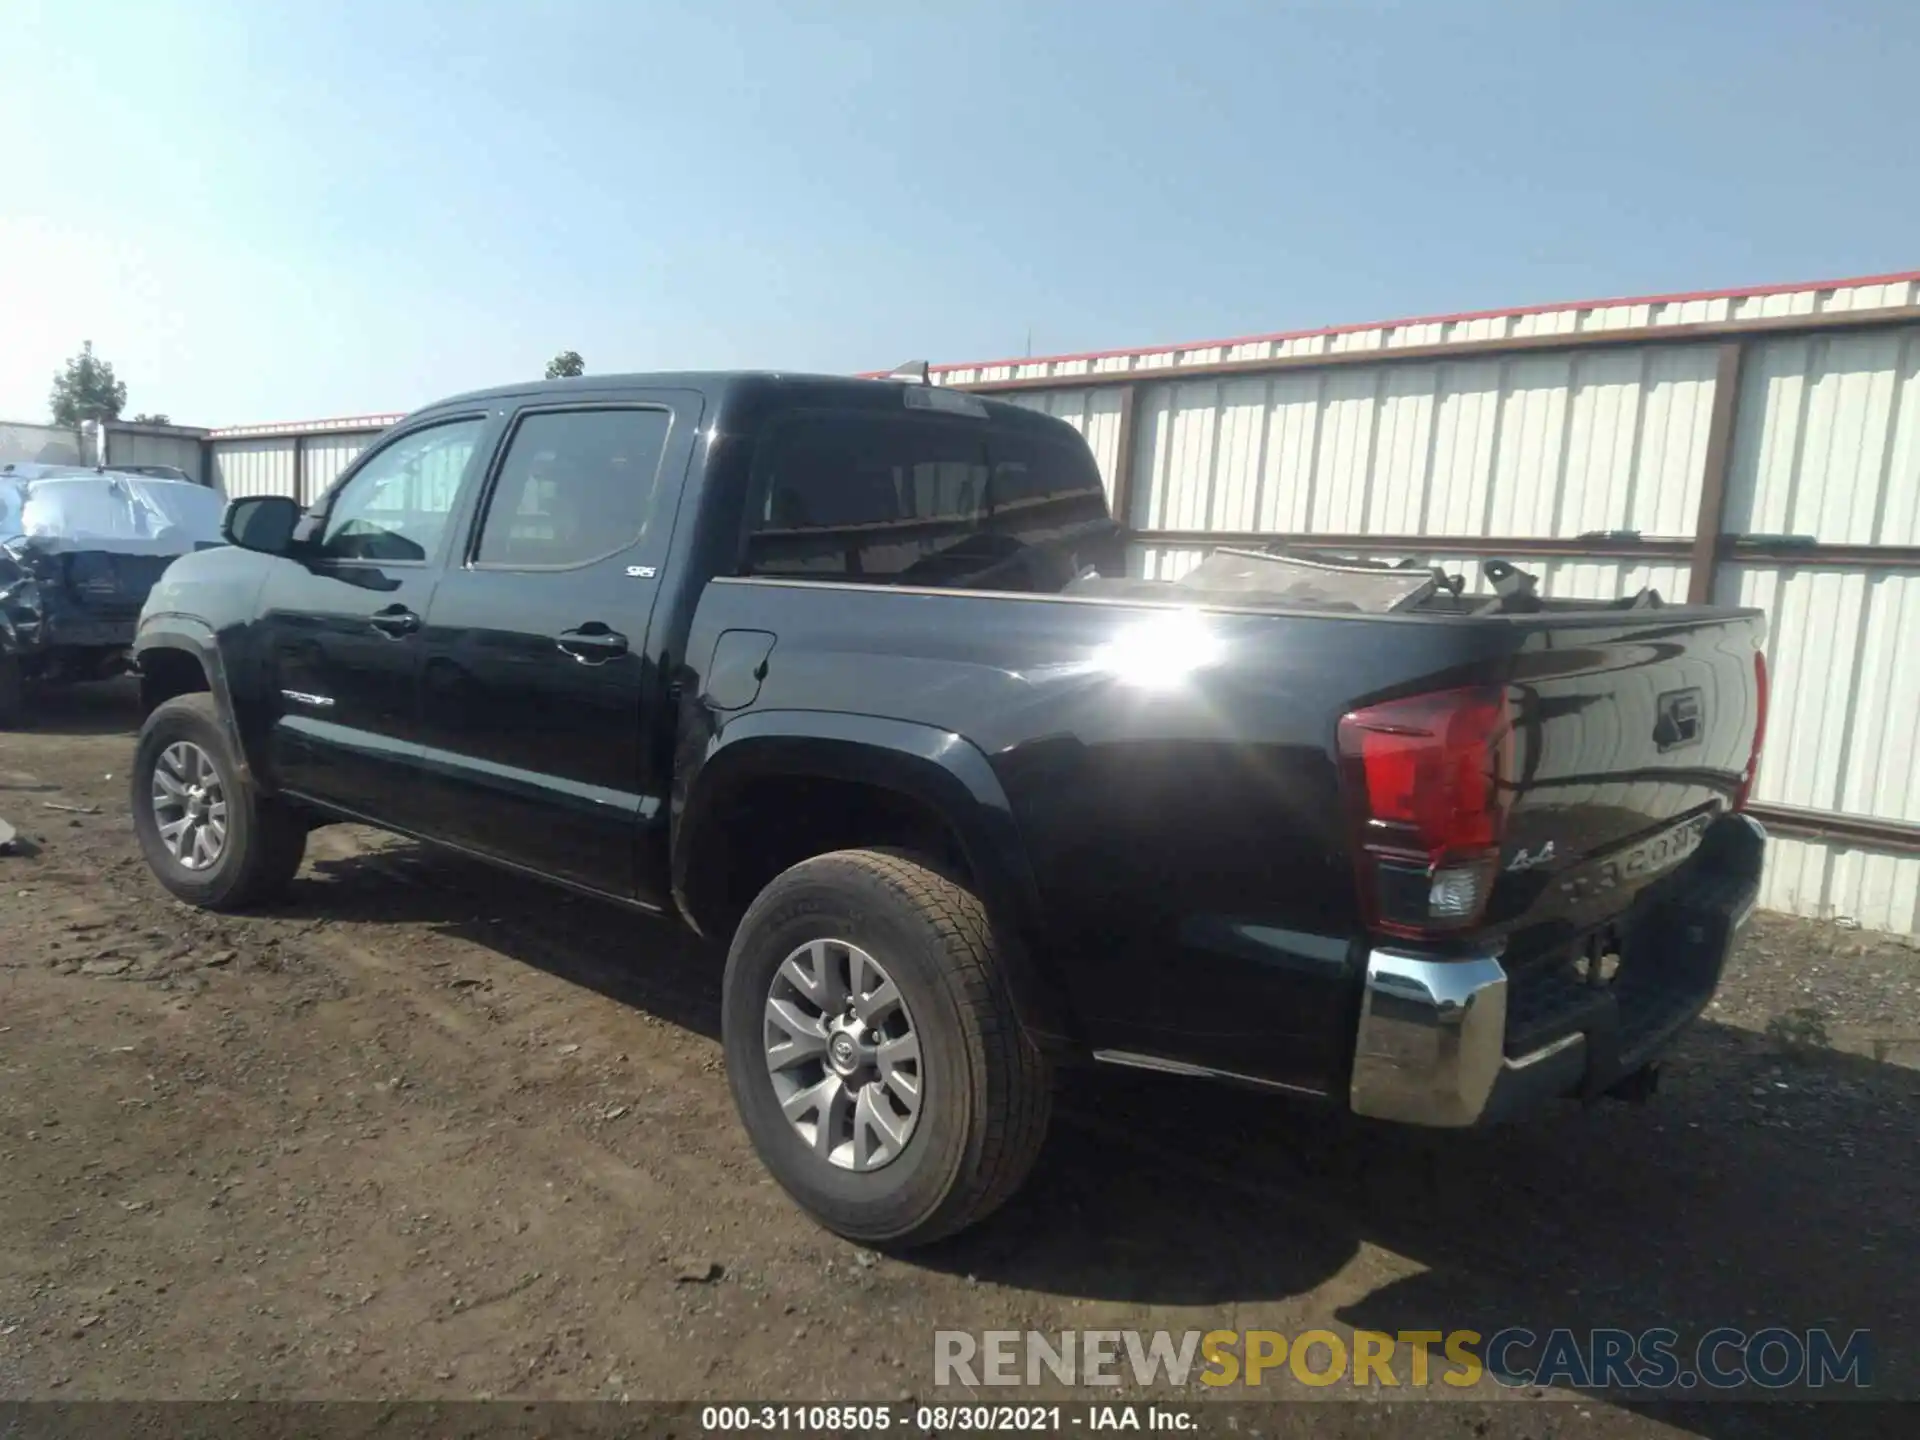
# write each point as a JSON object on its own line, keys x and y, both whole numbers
{"x": 1642, "y": 862}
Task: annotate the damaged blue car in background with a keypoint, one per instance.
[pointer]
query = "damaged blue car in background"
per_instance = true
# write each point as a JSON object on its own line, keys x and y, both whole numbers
{"x": 79, "y": 550}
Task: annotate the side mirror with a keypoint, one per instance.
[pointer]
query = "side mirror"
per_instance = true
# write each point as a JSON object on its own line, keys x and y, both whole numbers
{"x": 261, "y": 522}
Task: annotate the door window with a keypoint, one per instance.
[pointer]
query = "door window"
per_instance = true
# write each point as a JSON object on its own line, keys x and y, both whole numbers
{"x": 396, "y": 507}
{"x": 576, "y": 486}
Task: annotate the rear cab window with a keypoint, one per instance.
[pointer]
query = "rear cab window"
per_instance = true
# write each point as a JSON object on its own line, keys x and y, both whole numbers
{"x": 918, "y": 497}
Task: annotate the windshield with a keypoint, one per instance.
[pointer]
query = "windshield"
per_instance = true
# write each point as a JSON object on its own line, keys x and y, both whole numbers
{"x": 120, "y": 512}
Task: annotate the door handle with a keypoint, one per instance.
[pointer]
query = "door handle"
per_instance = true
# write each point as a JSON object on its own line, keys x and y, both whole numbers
{"x": 394, "y": 621}
{"x": 593, "y": 643}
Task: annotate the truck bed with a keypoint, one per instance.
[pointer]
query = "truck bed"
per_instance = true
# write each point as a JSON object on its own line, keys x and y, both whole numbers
{"x": 1176, "y": 776}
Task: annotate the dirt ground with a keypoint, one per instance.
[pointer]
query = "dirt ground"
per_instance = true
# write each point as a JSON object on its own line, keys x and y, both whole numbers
{"x": 427, "y": 1130}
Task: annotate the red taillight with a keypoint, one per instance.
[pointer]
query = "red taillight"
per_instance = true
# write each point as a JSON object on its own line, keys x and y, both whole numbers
{"x": 1429, "y": 779}
{"x": 1752, "y": 772}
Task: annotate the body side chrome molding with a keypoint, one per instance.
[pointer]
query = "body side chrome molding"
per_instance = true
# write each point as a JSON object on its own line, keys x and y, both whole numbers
{"x": 1132, "y": 1060}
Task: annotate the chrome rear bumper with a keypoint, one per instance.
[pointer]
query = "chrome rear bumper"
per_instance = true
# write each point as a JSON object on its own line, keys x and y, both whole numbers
{"x": 1430, "y": 1041}
{"x": 1433, "y": 1032}
{"x": 1431, "y": 1046}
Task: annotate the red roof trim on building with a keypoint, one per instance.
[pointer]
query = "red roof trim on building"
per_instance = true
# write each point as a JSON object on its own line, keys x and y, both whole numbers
{"x": 298, "y": 427}
{"x": 1678, "y": 298}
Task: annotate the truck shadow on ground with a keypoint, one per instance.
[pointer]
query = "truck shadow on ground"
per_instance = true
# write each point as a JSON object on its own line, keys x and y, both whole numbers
{"x": 1753, "y": 1191}
{"x": 1756, "y": 1188}
{"x": 105, "y": 707}
{"x": 628, "y": 957}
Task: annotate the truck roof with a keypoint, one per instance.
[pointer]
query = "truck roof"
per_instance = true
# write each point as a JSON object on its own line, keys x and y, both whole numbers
{"x": 839, "y": 390}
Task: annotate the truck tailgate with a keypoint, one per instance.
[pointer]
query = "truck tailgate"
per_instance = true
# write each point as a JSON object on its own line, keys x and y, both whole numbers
{"x": 1629, "y": 739}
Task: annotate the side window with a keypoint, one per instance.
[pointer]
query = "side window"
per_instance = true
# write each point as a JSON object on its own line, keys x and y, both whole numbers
{"x": 396, "y": 507}
{"x": 576, "y": 486}
{"x": 922, "y": 501}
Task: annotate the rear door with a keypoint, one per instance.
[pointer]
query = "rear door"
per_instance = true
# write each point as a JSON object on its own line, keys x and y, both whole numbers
{"x": 340, "y": 627}
{"x": 538, "y": 695}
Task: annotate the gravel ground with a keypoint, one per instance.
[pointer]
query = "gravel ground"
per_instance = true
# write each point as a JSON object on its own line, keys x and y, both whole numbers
{"x": 431, "y": 1131}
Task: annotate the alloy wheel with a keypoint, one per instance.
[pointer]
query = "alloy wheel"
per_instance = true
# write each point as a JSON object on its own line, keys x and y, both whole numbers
{"x": 190, "y": 806}
{"x": 843, "y": 1055}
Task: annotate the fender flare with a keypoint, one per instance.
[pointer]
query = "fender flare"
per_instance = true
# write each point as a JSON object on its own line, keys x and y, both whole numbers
{"x": 937, "y": 768}
{"x": 174, "y": 631}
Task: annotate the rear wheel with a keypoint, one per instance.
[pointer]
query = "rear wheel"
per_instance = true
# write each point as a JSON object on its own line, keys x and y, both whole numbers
{"x": 873, "y": 1049}
{"x": 208, "y": 835}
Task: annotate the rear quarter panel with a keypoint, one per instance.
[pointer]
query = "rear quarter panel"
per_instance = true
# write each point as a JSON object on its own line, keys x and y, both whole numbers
{"x": 1172, "y": 774}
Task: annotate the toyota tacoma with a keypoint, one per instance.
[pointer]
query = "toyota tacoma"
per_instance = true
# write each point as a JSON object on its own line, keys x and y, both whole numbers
{"x": 848, "y": 675}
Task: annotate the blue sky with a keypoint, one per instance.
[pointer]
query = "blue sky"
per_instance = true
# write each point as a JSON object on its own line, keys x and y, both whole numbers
{"x": 263, "y": 210}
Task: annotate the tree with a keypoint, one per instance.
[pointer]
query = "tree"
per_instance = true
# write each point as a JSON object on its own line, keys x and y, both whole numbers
{"x": 143, "y": 418}
{"x": 566, "y": 365}
{"x": 86, "y": 390}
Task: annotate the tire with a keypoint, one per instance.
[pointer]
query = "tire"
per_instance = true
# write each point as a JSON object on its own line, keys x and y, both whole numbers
{"x": 13, "y": 694}
{"x": 264, "y": 841}
{"x": 985, "y": 1090}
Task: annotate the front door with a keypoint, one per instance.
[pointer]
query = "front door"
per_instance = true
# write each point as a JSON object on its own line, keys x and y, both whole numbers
{"x": 341, "y": 624}
{"x": 538, "y": 697}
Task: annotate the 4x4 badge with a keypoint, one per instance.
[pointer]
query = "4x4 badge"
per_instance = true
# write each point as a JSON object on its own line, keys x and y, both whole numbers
{"x": 1527, "y": 859}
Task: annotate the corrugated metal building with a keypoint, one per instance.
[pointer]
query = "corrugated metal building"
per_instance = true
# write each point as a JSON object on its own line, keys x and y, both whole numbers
{"x": 38, "y": 444}
{"x": 1758, "y": 447}
{"x": 134, "y": 443}
{"x": 298, "y": 458}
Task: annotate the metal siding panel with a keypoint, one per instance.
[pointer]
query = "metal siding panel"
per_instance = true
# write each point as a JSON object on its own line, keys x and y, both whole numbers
{"x": 1154, "y": 430}
{"x": 1467, "y": 427}
{"x": 1881, "y": 777}
{"x": 1829, "y": 440}
{"x": 1607, "y": 579}
{"x": 1670, "y": 458}
{"x": 1824, "y": 880}
{"x": 325, "y": 457}
{"x": 1845, "y": 688}
{"x": 1760, "y": 481}
{"x": 1530, "y": 457}
{"x": 1239, "y": 449}
{"x": 1349, "y": 404}
{"x": 39, "y": 444}
{"x": 180, "y": 451}
{"x": 1605, "y": 423}
{"x": 254, "y": 467}
{"x": 1537, "y": 446}
{"x": 1190, "y": 455}
{"x": 1293, "y": 437}
{"x": 1152, "y": 562}
{"x": 1402, "y": 450}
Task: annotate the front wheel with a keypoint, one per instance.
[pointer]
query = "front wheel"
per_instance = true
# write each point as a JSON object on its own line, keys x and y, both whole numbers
{"x": 209, "y": 836}
{"x": 873, "y": 1049}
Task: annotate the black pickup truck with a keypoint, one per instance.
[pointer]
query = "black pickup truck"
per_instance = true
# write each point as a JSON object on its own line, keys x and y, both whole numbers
{"x": 848, "y": 674}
